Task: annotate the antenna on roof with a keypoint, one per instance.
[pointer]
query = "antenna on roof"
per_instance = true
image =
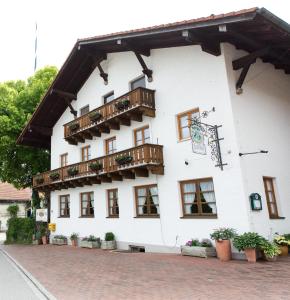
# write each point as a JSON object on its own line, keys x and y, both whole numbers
{"x": 35, "y": 48}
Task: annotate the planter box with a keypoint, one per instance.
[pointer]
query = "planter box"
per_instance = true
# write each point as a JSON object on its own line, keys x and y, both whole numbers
{"x": 198, "y": 251}
{"x": 59, "y": 242}
{"x": 109, "y": 245}
{"x": 87, "y": 244}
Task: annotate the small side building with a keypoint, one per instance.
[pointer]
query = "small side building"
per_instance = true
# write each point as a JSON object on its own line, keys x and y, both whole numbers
{"x": 10, "y": 195}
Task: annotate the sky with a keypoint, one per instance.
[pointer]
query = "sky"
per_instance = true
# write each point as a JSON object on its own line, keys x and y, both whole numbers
{"x": 62, "y": 22}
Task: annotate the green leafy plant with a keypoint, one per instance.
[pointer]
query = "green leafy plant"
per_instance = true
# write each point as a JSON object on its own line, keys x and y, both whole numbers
{"x": 109, "y": 236}
{"x": 20, "y": 231}
{"x": 95, "y": 166}
{"x": 74, "y": 236}
{"x": 13, "y": 210}
{"x": 206, "y": 243}
{"x": 37, "y": 235}
{"x": 95, "y": 116}
{"x": 281, "y": 240}
{"x": 223, "y": 234}
{"x": 74, "y": 126}
{"x": 122, "y": 104}
{"x": 60, "y": 237}
{"x": 270, "y": 249}
{"x": 54, "y": 176}
{"x": 43, "y": 229}
{"x": 248, "y": 240}
{"x": 125, "y": 159}
{"x": 91, "y": 238}
{"x": 72, "y": 171}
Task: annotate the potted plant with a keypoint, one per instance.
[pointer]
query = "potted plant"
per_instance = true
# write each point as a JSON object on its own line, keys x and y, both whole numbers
{"x": 95, "y": 116}
{"x": 283, "y": 244}
{"x": 59, "y": 240}
{"x": 90, "y": 242}
{"x": 122, "y": 104}
{"x": 54, "y": 176}
{"x": 200, "y": 249}
{"x": 109, "y": 243}
{"x": 222, "y": 237}
{"x": 72, "y": 171}
{"x": 249, "y": 242}
{"x": 37, "y": 238}
{"x": 124, "y": 159}
{"x": 270, "y": 250}
{"x": 74, "y": 126}
{"x": 96, "y": 166}
{"x": 43, "y": 233}
{"x": 74, "y": 239}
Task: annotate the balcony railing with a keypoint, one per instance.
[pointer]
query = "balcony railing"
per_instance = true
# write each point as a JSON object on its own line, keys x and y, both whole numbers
{"x": 131, "y": 106}
{"x": 136, "y": 161}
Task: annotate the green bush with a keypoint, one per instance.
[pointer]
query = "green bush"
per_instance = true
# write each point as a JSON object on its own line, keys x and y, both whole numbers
{"x": 223, "y": 234}
{"x": 20, "y": 231}
{"x": 13, "y": 210}
{"x": 109, "y": 236}
{"x": 248, "y": 240}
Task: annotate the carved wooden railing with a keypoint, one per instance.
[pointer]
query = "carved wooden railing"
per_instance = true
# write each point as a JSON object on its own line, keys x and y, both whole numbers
{"x": 140, "y": 97}
{"x": 143, "y": 156}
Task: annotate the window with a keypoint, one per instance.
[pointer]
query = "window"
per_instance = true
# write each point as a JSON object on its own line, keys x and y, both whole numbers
{"x": 84, "y": 110}
{"x": 147, "y": 203}
{"x": 64, "y": 160}
{"x": 271, "y": 197}
{"x": 87, "y": 204}
{"x": 64, "y": 206}
{"x": 139, "y": 82}
{"x": 86, "y": 153}
{"x": 111, "y": 145}
{"x": 184, "y": 122}
{"x": 109, "y": 97}
{"x": 198, "y": 198}
{"x": 113, "y": 206}
{"x": 142, "y": 136}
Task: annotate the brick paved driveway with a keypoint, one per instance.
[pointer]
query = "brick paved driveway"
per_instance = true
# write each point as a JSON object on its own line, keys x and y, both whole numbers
{"x": 75, "y": 273}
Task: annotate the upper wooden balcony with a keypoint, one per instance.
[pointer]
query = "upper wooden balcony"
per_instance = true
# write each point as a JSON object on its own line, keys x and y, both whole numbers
{"x": 131, "y": 106}
{"x": 136, "y": 161}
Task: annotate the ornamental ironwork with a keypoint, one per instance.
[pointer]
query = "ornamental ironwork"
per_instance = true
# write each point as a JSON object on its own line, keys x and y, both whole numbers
{"x": 200, "y": 132}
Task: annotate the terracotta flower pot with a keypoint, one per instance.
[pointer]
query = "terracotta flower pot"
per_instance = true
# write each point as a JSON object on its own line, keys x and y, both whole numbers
{"x": 44, "y": 240}
{"x": 223, "y": 249}
{"x": 251, "y": 254}
{"x": 74, "y": 243}
{"x": 284, "y": 250}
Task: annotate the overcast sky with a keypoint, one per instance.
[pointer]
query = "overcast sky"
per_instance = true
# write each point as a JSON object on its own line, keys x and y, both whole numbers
{"x": 62, "y": 22}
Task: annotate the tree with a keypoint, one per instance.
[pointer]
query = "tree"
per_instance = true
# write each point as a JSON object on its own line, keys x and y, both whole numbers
{"x": 18, "y": 100}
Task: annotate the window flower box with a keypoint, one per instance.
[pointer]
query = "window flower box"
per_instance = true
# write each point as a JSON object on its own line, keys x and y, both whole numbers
{"x": 95, "y": 116}
{"x": 122, "y": 104}
{"x": 95, "y": 166}
{"x": 59, "y": 240}
{"x": 198, "y": 249}
{"x": 90, "y": 242}
{"x": 74, "y": 126}
{"x": 122, "y": 160}
{"x": 54, "y": 176}
{"x": 72, "y": 171}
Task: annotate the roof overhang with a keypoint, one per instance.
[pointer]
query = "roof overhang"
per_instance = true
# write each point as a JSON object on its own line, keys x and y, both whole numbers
{"x": 250, "y": 30}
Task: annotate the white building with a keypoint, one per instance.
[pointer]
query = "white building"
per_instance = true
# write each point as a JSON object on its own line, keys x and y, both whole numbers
{"x": 144, "y": 86}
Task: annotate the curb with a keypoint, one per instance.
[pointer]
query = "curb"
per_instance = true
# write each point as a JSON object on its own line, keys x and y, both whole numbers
{"x": 29, "y": 276}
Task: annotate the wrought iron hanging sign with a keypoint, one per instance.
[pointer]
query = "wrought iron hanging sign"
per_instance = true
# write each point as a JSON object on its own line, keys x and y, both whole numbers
{"x": 200, "y": 132}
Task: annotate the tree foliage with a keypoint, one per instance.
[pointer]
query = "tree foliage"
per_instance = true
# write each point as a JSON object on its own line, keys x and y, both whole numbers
{"x": 18, "y": 100}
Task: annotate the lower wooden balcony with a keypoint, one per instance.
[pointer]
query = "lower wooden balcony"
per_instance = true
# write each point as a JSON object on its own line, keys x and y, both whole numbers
{"x": 128, "y": 164}
{"x": 121, "y": 111}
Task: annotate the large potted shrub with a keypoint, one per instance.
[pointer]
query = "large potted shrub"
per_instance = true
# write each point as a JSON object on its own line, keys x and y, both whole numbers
{"x": 59, "y": 240}
{"x": 90, "y": 242}
{"x": 249, "y": 242}
{"x": 270, "y": 250}
{"x": 74, "y": 239}
{"x": 200, "y": 249}
{"x": 109, "y": 243}
{"x": 222, "y": 237}
{"x": 283, "y": 244}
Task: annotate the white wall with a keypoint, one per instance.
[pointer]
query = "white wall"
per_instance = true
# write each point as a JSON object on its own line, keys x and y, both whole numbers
{"x": 184, "y": 78}
{"x": 262, "y": 121}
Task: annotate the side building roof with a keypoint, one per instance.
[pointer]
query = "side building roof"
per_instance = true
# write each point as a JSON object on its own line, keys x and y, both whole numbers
{"x": 9, "y": 193}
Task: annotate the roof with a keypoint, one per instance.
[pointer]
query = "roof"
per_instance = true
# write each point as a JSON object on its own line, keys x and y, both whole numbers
{"x": 249, "y": 29}
{"x": 9, "y": 193}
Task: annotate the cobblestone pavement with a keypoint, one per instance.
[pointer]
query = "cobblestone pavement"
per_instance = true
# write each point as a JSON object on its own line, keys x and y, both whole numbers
{"x": 75, "y": 273}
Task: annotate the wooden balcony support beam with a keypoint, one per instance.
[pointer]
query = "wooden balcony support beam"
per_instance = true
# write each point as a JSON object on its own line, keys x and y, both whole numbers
{"x": 103, "y": 128}
{"x": 158, "y": 170}
{"x": 123, "y": 120}
{"x": 141, "y": 172}
{"x": 113, "y": 124}
{"x": 135, "y": 116}
{"x": 86, "y": 135}
{"x": 115, "y": 176}
{"x": 72, "y": 141}
{"x": 104, "y": 178}
{"x": 94, "y": 132}
{"x": 242, "y": 78}
{"x": 127, "y": 174}
{"x": 79, "y": 138}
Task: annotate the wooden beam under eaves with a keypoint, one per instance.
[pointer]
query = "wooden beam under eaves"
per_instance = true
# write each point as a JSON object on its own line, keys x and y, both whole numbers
{"x": 146, "y": 71}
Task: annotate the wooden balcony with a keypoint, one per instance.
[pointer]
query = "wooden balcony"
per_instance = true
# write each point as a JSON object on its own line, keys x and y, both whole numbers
{"x": 134, "y": 162}
{"x": 121, "y": 111}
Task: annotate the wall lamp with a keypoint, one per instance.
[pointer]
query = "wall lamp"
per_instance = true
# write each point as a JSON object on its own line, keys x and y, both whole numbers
{"x": 257, "y": 152}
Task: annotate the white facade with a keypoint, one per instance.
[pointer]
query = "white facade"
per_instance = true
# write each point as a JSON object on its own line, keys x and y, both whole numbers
{"x": 185, "y": 78}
